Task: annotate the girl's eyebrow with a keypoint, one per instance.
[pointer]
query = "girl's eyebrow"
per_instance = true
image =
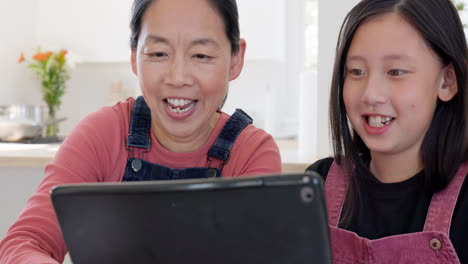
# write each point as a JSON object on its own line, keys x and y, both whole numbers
{"x": 390, "y": 57}
{"x": 355, "y": 58}
{"x": 393, "y": 57}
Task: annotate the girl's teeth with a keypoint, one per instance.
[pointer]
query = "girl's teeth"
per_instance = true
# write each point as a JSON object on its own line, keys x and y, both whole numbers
{"x": 378, "y": 121}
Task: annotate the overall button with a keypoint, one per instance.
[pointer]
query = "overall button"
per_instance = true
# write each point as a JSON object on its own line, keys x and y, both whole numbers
{"x": 136, "y": 165}
{"x": 435, "y": 244}
{"x": 211, "y": 173}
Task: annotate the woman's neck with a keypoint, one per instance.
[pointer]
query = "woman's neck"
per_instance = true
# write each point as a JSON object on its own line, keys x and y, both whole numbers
{"x": 395, "y": 168}
{"x": 187, "y": 143}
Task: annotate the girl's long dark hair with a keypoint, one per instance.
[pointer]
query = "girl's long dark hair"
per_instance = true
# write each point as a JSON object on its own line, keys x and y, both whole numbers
{"x": 445, "y": 145}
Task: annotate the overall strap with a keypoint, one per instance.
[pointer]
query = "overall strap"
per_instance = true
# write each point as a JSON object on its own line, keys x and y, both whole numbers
{"x": 336, "y": 186}
{"x": 222, "y": 147}
{"x": 140, "y": 124}
{"x": 439, "y": 215}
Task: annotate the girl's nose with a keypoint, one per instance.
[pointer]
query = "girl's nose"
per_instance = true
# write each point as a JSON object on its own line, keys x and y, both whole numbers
{"x": 375, "y": 91}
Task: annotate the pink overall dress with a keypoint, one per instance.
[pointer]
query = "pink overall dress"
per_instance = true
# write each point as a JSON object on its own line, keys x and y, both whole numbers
{"x": 432, "y": 245}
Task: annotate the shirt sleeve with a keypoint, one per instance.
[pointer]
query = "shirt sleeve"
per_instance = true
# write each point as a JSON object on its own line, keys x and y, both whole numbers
{"x": 255, "y": 153}
{"x": 36, "y": 237}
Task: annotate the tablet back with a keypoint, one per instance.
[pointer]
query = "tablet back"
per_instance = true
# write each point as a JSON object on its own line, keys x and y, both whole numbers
{"x": 268, "y": 219}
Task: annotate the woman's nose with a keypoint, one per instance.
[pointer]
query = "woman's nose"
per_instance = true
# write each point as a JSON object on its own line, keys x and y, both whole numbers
{"x": 179, "y": 73}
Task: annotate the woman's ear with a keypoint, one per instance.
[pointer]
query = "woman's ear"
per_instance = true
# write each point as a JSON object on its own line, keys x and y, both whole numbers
{"x": 449, "y": 87}
{"x": 237, "y": 61}
{"x": 134, "y": 61}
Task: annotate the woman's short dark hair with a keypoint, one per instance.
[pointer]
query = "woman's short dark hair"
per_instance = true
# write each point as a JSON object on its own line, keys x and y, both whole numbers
{"x": 227, "y": 9}
{"x": 445, "y": 145}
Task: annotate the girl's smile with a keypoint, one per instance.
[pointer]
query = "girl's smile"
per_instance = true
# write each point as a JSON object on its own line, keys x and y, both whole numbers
{"x": 376, "y": 124}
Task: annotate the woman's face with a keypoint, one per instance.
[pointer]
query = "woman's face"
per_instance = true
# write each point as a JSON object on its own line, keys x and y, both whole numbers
{"x": 184, "y": 64}
{"x": 392, "y": 84}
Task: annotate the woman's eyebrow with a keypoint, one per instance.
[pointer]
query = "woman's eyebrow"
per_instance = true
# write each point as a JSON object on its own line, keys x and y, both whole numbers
{"x": 156, "y": 39}
{"x": 204, "y": 42}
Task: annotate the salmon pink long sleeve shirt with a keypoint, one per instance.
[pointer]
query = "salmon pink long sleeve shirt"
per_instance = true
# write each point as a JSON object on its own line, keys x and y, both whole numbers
{"x": 95, "y": 151}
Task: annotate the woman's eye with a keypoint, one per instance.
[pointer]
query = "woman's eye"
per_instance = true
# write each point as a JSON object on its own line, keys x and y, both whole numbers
{"x": 202, "y": 56}
{"x": 395, "y": 72}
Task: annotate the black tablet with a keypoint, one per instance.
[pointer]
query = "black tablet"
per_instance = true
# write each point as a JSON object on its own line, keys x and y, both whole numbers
{"x": 268, "y": 219}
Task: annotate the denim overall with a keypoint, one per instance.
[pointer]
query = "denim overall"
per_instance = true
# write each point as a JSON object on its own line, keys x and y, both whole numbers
{"x": 138, "y": 141}
{"x": 432, "y": 245}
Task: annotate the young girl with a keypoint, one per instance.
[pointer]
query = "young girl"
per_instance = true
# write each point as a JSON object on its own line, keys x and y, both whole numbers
{"x": 396, "y": 188}
{"x": 184, "y": 53}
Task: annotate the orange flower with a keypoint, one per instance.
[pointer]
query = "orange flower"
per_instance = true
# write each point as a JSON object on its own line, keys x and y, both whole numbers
{"x": 39, "y": 56}
{"x": 21, "y": 58}
{"x": 42, "y": 56}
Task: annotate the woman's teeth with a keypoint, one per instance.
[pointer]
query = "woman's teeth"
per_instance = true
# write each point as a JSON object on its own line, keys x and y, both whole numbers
{"x": 180, "y": 105}
{"x": 378, "y": 121}
{"x": 178, "y": 102}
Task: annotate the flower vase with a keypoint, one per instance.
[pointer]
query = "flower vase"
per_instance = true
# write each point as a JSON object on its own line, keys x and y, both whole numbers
{"x": 52, "y": 126}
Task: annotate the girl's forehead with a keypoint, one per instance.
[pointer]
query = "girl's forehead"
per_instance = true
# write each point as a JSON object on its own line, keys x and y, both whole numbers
{"x": 386, "y": 36}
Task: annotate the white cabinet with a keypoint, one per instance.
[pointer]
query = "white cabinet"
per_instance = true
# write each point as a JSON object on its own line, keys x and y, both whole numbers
{"x": 97, "y": 31}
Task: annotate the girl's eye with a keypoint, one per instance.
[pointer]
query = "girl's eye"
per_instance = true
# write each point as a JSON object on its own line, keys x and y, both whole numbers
{"x": 395, "y": 72}
{"x": 357, "y": 72}
{"x": 157, "y": 54}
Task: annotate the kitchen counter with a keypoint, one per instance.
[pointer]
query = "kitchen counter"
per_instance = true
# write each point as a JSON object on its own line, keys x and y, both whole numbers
{"x": 26, "y": 155}
{"x": 39, "y": 155}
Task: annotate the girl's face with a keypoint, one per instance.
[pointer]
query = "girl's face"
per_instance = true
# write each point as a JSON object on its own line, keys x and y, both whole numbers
{"x": 184, "y": 63}
{"x": 392, "y": 83}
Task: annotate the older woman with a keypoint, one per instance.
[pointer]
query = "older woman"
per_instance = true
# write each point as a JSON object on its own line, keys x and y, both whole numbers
{"x": 184, "y": 53}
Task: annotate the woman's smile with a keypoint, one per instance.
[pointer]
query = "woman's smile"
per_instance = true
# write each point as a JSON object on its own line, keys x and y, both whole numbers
{"x": 179, "y": 108}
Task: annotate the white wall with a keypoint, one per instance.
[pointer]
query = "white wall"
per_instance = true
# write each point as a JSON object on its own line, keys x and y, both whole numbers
{"x": 17, "y": 85}
{"x": 97, "y": 30}
{"x": 261, "y": 88}
{"x": 262, "y": 24}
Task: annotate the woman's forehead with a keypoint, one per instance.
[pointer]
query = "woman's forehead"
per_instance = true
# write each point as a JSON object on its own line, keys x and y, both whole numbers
{"x": 179, "y": 18}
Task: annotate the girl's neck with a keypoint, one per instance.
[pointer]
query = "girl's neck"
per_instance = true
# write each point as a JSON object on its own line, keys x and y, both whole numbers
{"x": 395, "y": 168}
